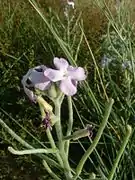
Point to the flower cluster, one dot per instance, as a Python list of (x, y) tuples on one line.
[(42, 77)]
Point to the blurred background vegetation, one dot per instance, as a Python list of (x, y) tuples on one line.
[(94, 30)]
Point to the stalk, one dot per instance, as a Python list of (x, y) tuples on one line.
[(96, 140), (70, 123), (67, 169), (49, 135), (121, 151), (31, 151)]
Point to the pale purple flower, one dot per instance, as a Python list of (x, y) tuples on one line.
[(28, 92), (105, 61), (126, 65), (66, 74), (35, 79)]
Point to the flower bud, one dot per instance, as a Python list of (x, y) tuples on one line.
[(80, 133), (52, 91), (53, 119), (47, 107), (92, 176)]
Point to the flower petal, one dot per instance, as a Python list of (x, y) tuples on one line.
[(43, 86), (39, 80), (77, 73), (54, 75), (68, 87), (25, 78), (60, 63), (40, 68), (30, 94), (35, 78)]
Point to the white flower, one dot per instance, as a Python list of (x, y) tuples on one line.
[(71, 3)]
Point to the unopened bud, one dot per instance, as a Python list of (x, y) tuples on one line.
[(47, 107), (52, 92)]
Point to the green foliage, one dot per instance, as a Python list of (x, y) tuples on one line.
[(26, 40)]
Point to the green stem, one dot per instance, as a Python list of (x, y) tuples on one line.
[(96, 140), (116, 162), (49, 135), (70, 123), (58, 126), (60, 140), (31, 151), (50, 171), (25, 144)]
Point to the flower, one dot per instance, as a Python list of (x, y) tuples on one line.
[(66, 74), (35, 79), (86, 132), (71, 3), (105, 61), (46, 121), (90, 128), (126, 65)]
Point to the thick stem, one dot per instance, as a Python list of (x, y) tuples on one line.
[(96, 140), (58, 125), (49, 135), (116, 162), (70, 123), (61, 142)]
